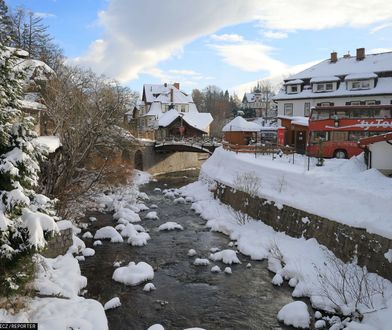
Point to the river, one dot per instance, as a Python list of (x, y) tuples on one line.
[(186, 295)]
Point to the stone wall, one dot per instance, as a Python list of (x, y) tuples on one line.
[(59, 244), (343, 240)]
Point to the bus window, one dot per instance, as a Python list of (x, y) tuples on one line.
[(338, 136), (385, 113), (356, 135), (340, 114), (319, 136), (320, 114), (359, 113)]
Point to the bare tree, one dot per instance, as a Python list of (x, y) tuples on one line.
[(86, 112), (248, 182)]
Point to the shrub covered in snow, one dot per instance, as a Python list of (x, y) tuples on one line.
[(25, 217), (295, 314), (134, 274), (170, 225)]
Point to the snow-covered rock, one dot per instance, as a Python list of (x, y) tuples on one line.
[(191, 253), (179, 200), (248, 265), (142, 207), (152, 215), (295, 314), (134, 274), (126, 214), (92, 219), (87, 234), (149, 287), (112, 303), (201, 262), (228, 270), (320, 324), (189, 199), (157, 189), (88, 252), (153, 206), (215, 269), (318, 315), (120, 226), (108, 232), (170, 225), (143, 195), (214, 249), (227, 256), (156, 327), (116, 264), (77, 245), (97, 243), (277, 280), (139, 239), (80, 258), (293, 282)]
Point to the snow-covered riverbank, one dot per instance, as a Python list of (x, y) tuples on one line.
[(341, 190)]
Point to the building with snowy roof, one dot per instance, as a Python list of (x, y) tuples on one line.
[(240, 131), (348, 80), (168, 111), (259, 104)]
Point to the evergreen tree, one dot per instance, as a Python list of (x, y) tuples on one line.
[(23, 214), (5, 24)]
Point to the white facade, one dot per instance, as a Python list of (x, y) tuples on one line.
[(350, 80), (381, 156)]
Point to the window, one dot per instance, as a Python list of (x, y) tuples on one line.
[(320, 87), (356, 135), (307, 109), (183, 108), (360, 84), (355, 103), (324, 87), (288, 109), (328, 86), (294, 89), (320, 114), (319, 137)]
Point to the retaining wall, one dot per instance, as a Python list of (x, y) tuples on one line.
[(345, 241), (59, 244)]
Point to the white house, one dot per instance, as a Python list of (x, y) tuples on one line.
[(348, 80), (163, 104)]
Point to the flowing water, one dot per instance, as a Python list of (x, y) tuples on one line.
[(186, 295)]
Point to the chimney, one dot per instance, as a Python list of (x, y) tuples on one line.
[(360, 54), (176, 85), (171, 95), (334, 57)]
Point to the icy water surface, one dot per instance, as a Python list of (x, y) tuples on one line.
[(186, 295)]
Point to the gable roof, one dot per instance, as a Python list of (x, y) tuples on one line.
[(198, 120), (239, 124), (162, 93), (346, 65)]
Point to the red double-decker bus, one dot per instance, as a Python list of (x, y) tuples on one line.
[(335, 130)]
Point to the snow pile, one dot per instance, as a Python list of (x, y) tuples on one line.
[(156, 327), (110, 233), (135, 238), (228, 270), (88, 252), (170, 226), (295, 314), (97, 242), (112, 303), (59, 276), (215, 269), (52, 143), (126, 214), (87, 234), (201, 262), (227, 256), (149, 287), (134, 274), (192, 253), (142, 207), (151, 215)]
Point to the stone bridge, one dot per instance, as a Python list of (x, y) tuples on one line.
[(199, 145)]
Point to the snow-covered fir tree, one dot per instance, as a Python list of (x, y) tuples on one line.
[(25, 217)]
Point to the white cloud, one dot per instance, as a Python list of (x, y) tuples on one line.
[(275, 79), (249, 56), (275, 35), (381, 27), (44, 15), (140, 34), (184, 72), (227, 37)]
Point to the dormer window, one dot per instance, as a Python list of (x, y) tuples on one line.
[(293, 86), (324, 84), (360, 84), (324, 87), (294, 89), (360, 81)]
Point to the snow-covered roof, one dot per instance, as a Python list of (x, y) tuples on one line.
[(155, 110), (301, 121), (359, 76), (162, 93), (52, 143), (199, 120), (324, 79), (239, 124), (384, 86), (168, 117), (294, 82), (192, 107), (347, 65)]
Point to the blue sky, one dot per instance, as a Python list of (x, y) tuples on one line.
[(228, 43)]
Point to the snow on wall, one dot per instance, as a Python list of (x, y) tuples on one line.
[(342, 190)]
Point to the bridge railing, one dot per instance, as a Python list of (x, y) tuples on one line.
[(207, 141), (264, 149)]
